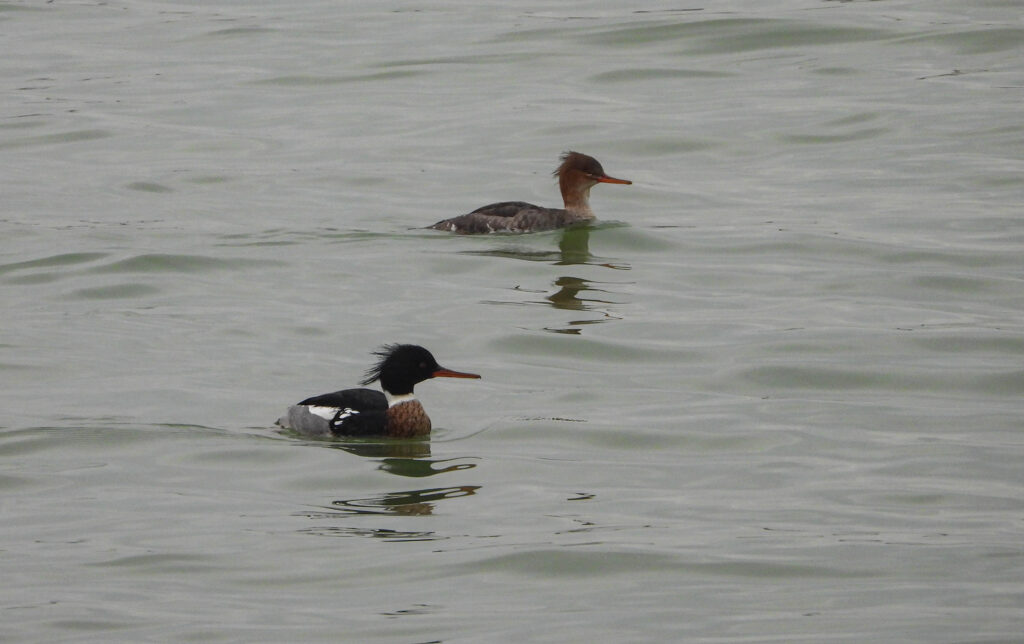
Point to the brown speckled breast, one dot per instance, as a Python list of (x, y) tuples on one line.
[(406, 420)]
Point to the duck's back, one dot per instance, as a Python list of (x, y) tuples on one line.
[(506, 216), (350, 412), (360, 399)]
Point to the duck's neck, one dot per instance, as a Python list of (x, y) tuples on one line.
[(397, 399), (577, 199)]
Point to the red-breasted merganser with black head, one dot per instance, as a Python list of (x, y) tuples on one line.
[(577, 174), (395, 413)]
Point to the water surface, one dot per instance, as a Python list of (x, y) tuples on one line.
[(774, 395)]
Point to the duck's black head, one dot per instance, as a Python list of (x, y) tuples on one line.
[(402, 366)]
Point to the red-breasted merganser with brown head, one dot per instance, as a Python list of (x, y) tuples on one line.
[(395, 413), (577, 174)]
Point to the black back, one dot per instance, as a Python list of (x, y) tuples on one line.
[(359, 412), (356, 399)]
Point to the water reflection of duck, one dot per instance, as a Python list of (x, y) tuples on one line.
[(408, 502), (395, 413), (577, 174)]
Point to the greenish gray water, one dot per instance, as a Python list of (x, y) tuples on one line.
[(776, 395)]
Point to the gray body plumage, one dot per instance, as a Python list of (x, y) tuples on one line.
[(299, 418)]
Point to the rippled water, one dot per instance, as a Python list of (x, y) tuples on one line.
[(776, 395)]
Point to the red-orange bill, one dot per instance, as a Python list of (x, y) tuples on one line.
[(607, 179), (448, 373)]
